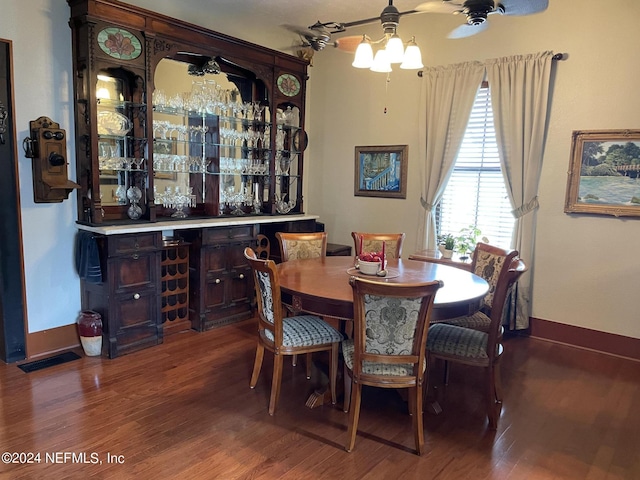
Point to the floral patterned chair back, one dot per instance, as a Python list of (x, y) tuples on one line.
[(391, 322), (372, 242), (299, 246), (489, 262)]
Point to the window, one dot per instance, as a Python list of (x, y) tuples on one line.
[(476, 194)]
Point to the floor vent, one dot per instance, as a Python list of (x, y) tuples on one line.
[(48, 362)]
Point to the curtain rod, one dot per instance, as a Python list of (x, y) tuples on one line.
[(557, 56)]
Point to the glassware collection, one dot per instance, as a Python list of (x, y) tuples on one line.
[(207, 131)]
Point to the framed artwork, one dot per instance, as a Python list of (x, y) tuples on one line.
[(604, 173), (381, 171)]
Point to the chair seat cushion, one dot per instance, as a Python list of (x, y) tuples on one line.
[(459, 341), (306, 330), (477, 321), (402, 369)]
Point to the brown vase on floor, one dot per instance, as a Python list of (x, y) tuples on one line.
[(90, 331)]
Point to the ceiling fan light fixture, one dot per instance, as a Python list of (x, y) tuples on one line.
[(412, 56), (381, 62), (364, 54), (395, 49)]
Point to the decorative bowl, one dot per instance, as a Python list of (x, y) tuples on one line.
[(369, 268), (113, 123)]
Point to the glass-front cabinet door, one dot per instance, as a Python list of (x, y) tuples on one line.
[(174, 121)]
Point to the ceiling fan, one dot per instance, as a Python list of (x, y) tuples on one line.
[(477, 11), (319, 35)]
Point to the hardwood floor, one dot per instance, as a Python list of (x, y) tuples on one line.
[(184, 410)]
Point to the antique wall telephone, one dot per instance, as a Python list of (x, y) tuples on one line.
[(48, 149)]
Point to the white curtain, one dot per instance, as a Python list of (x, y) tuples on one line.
[(519, 98), (448, 93)]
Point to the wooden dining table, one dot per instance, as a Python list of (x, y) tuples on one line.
[(321, 285)]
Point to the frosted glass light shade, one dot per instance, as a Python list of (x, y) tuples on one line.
[(381, 62), (364, 55), (412, 57), (395, 49)]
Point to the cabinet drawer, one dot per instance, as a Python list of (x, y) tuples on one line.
[(136, 310), (212, 236), (137, 271), (140, 242)]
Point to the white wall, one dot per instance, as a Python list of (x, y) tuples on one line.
[(42, 84), (579, 277)]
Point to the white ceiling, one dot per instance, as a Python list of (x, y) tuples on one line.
[(261, 21)]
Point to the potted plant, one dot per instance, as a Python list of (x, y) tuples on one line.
[(466, 241), (446, 245)]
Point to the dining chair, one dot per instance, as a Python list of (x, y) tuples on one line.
[(391, 322), (372, 242), (488, 262), (299, 246), (474, 346), (286, 335)]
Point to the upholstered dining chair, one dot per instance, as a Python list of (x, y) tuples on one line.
[(298, 246), (480, 347), (286, 335), (488, 262), (372, 242), (391, 322)]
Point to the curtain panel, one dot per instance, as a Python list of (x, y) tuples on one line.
[(447, 95), (519, 99)]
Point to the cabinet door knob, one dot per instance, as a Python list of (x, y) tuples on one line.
[(217, 280), (241, 276), (136, 296), (135, 256)]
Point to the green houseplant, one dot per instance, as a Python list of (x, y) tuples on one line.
[(467, 239), (446, 245)]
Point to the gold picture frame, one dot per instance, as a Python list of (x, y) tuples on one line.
[(604, 173), (381, 171)]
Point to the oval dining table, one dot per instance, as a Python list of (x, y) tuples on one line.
[(321, 286)]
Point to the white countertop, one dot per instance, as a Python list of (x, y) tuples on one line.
[(193, 223)]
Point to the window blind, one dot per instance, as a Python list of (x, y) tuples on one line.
[(476, 194)]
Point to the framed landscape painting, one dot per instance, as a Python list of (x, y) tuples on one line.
[(381, 171), (604, 173)]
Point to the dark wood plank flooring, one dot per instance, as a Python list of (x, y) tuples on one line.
[(184, 410)]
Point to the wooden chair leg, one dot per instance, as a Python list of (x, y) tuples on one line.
[(428, 398), (347, 389), (494, 396), (275, 383), (446, 372), (354, 416), (257, 365), (333, 371), (309, 364), (415, 402)]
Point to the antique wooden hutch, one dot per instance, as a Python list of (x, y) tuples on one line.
[(185, 133)]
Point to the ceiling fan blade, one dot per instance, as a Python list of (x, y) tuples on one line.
[(466, 30), (523, 7), (440, 6), (303, 31), (348, 44)]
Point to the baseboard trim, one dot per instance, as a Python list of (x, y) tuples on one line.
[(610, 343), (52, 341)]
